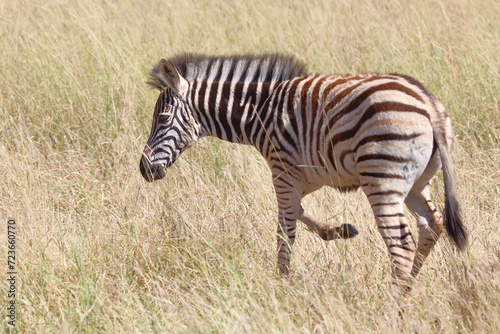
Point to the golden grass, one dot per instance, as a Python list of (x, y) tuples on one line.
[(100, 250)]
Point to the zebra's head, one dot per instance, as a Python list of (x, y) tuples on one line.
[(174, 128)]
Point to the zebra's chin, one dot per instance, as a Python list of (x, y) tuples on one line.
[(152, 172)]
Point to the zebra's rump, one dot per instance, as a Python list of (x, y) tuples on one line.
[(354, 126)]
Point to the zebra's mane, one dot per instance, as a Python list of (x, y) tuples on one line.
[(242, 68)]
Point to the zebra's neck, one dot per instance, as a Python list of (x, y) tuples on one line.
[(231, 111)]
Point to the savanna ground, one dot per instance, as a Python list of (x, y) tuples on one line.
[(100, 250)]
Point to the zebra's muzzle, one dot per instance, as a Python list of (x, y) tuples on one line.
[(151, 172)]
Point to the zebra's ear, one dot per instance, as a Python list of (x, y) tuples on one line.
[(172, 78)]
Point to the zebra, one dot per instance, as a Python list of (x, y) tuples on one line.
[(384, 133)]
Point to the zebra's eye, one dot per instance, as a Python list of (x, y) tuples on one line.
[(166, 114)]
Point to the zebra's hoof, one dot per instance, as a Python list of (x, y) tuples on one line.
[(348, 231)]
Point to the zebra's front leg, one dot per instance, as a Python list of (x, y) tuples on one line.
[(289, 209), (325, 232), (286, 238)]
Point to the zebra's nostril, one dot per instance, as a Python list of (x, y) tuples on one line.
[(145, 169), (149, 171), (159, 171)]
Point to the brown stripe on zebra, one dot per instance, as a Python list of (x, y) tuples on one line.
[(418, 84), (374, 109), (315, 103), (380, 156), (382, 122), (402, 247), (384, 204), (385, 193), (354, 104), (393, 227), (401, 256), (386, 137), (371, 111), (345, 92), (339, 82), (386, 122), (383, 175), (399, 214), (401, 237)]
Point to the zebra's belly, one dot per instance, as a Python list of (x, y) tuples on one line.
[(334, 181), (342, 176)]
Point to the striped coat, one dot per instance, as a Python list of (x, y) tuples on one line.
[(386, 134)]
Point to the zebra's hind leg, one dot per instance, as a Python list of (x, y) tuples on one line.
[(430, 225), (429, 221), (387, 206)]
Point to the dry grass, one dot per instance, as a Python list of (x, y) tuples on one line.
[(100, 250)]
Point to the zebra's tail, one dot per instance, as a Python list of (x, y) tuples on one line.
[(451, 216)]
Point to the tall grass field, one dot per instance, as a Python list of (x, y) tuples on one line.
[(99, 250)]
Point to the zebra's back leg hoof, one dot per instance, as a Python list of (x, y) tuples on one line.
[(348, 231), (344, 231)]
